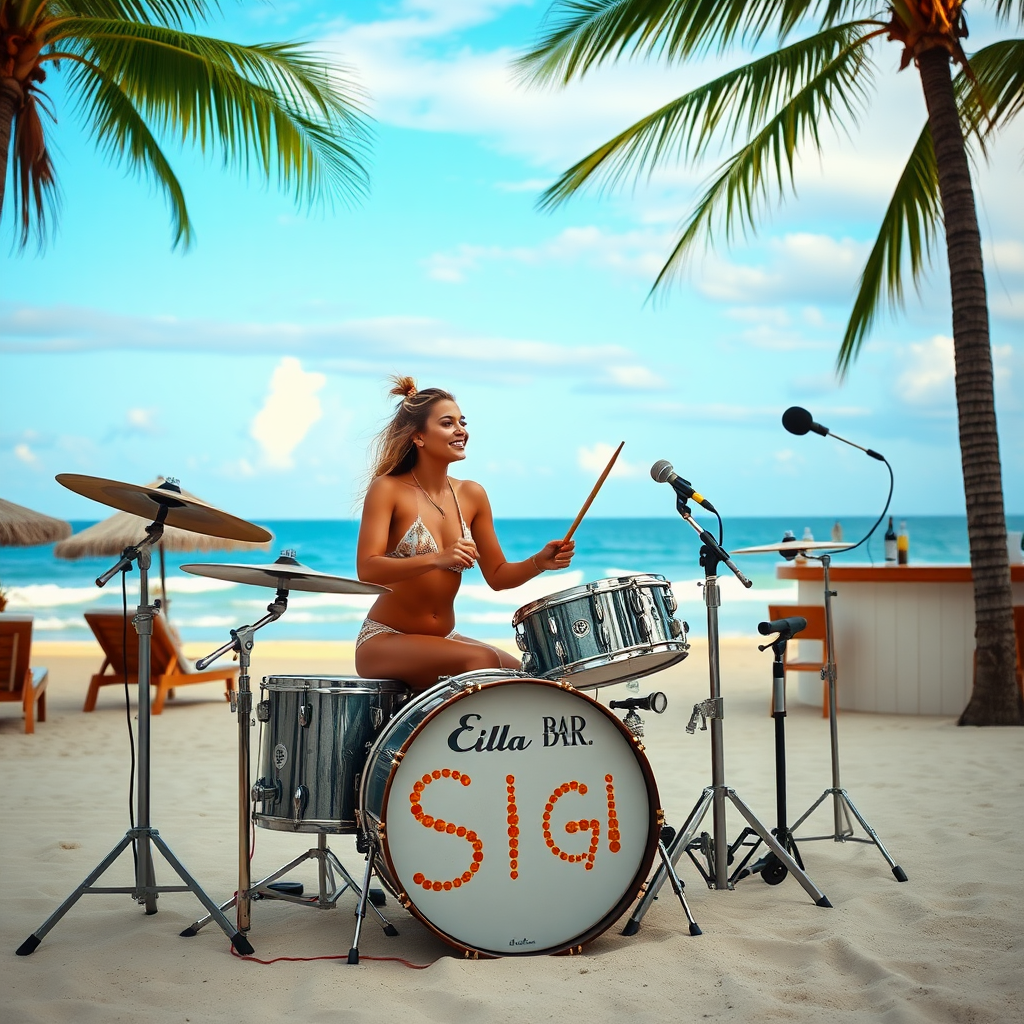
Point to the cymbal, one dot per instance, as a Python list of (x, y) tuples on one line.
[(795, 547), (287, 573), (183, 511)]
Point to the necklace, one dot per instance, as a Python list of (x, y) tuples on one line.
[(428, 497)]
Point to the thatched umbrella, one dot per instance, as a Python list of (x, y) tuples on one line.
[(20, 527), (121, 530)]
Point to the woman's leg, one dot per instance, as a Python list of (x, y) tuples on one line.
[(420, 660), (506, 660)]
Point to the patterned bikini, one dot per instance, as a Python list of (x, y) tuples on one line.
[(418, 540)]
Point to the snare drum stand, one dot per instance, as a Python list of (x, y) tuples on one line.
[(841, 802), (715, 848), (327, 862), (145, 890)]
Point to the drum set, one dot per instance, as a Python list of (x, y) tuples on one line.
[(509, 811)]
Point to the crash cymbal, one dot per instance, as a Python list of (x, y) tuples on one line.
[(183, 511), (287, 573), (794, 547)]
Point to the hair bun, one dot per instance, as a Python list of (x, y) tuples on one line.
[(403, 386)]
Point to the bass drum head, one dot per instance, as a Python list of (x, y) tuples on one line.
[(520, 818)]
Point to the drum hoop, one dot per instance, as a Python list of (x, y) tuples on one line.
[(603, 586), (626, 653), (656, 816), (349, 684)]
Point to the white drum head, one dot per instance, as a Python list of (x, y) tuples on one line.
[(521, 818)]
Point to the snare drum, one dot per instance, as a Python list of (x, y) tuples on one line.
[(513, 816), (602, 632), (316, 734)]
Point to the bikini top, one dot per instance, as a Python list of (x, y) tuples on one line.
[(418, 540)]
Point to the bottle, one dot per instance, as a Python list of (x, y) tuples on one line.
[(890, 545), (801, 557), (837, 532), (903, 544)]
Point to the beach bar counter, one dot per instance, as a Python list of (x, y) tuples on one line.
[(904, 635)]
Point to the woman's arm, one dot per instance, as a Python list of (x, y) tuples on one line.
[(372, 562), (499, 573)]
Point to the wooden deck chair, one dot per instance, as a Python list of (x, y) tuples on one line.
[(17, 680), (169, 668), (815, 616)]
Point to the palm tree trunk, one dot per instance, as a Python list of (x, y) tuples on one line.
[(995, 699), (10, 96)]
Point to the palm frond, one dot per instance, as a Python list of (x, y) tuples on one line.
[(738, 102), (1010, 10), (35, 185), (585, 33), (999, 95), (123, 134), (745, 183), (911, 222), (272, 105), (147, 12)]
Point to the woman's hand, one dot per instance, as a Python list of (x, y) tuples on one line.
[(555, 555), (462, 554)]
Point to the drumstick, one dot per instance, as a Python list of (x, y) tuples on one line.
[(593, 494)]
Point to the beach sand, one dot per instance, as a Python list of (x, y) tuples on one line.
[(947, 945)]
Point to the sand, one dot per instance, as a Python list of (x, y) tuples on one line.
[(944, 946)]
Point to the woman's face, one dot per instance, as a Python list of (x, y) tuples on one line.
[(444, 435)]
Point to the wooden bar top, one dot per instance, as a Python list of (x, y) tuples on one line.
[(811, 570)]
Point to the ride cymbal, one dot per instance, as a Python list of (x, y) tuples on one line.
[(287, 573)]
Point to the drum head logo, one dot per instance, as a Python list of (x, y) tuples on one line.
[(581, 627), (280, 756)]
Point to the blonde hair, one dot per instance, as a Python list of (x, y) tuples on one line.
[(393, 451)]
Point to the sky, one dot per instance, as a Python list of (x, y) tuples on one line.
[(254, 366)]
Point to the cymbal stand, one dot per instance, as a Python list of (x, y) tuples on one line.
[(842, 805), (242, 643), (327, 862), (145, 890), (714, 849)]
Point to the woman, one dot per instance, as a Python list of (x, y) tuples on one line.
[(420, 530)]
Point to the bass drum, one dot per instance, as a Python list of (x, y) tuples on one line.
[(514, 816)]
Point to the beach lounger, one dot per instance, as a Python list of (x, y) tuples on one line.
[(169, 668), (18, 681)]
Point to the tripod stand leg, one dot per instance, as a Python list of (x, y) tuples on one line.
[(677, 888), (29, 945), (238, 940), (898, 872), (820, 899), (350, 883), (674, 851)]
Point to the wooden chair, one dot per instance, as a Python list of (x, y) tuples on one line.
[(17, 680), (815, 616), (169, 668)]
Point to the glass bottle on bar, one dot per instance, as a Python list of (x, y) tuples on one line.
[(903, 544), (891, 552)]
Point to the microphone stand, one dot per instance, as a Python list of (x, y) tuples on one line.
[(714, 848)]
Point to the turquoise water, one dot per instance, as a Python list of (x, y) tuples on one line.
[(58, 592)]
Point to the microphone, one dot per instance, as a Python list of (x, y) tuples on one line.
[(799, 421), (786, 628), (663, 473)]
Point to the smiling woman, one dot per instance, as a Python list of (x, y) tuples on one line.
[(420, 530)]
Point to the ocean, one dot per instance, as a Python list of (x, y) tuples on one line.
[(58, 592)]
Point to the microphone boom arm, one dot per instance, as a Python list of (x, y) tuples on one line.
[(709, 541)]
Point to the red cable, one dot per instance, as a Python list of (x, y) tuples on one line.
[(340, 956)]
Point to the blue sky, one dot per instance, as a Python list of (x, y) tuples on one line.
[(253, 366)]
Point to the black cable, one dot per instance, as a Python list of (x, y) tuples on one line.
[(128, 708), (867, 536)]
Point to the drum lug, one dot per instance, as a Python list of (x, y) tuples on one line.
[(527, 662), (643, 624), (305, 715), (470, 954), (553, 627), (264, 789), (263, 711), (299, 800), (659, 818), (670, 601), (597, 607), (521, 640), (606, 636), (560, 651), (675, 627), (636, 600), (404, 902)]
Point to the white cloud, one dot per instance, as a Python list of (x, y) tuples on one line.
[(290, 410), (594, 459), (636, 378), (23, 453), (366, 347), (928, 379)]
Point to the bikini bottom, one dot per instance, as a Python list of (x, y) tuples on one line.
[(370, 628)]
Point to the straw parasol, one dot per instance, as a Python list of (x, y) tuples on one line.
[(121, 530), (20, 527)]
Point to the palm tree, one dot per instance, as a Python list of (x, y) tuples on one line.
[(774, 104), (135, 73)]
